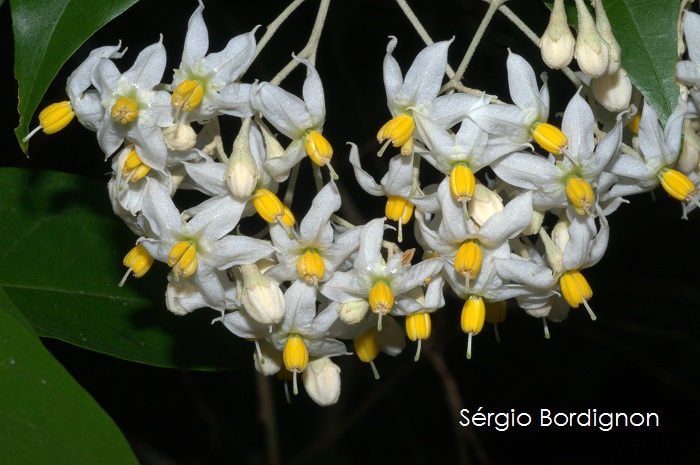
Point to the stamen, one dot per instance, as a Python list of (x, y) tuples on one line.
[(183, 259), (295, 356), (139, 262), (462, 183), (399, 130), (318, 148), (472, 319), (186, 97), (678, 185), (418, 327), (134, 168), (310, 267), (550, 138), (271, 208), (399, 209), (381, 300), (576, 290), (367, 348), (468, 260), (125, 110), (495, 313), (546, 328), (580, 195), (53, 118)]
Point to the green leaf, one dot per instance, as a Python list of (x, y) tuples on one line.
[(646, 32), (45, 416), (61, 263), (46, 34)]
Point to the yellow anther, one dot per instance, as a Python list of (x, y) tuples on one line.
[(381, 298), (399, 131), (677, 185), (271, 208), (550, 138), (138, 260), (575, 288), (418, 326), (310, 267), (496, 312), (125, 110), (318, 148), (295, 354), (468, 259), (634, 124), (580, 195), (56, 117), (187, 95), (473, 316), (367, 346), (183, 259), (462, 183), (134, 168), (399, 209)]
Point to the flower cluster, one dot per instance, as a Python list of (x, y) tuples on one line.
[(300, 289)]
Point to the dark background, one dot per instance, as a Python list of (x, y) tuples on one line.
[(639, 356)]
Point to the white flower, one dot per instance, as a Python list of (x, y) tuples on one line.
[(215, 74), (132, 109)]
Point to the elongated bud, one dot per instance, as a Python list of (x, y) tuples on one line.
[(677, 185), (613, 91), (602, 24), (484, 204), (353, 312), (591, 52), (550, 138), (242, 173), (183, 259), (580, 195), (262, 299), (322, 381), (399, 131), (124, 110), (462, 183), (557, 43)]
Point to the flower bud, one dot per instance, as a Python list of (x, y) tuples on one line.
[(688, 161), (484, 204), (242, 173), (322, 381), (353, 312), (613, 91), (603, 26), (272, 359), (273, 149), (557, 42), (535, 224), (180, 137), (591, 51), (262, 299), (560, 233)]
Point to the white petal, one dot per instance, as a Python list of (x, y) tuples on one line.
[(196, 39)]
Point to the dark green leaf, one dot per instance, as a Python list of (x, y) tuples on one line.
[(45, 416), (46, 34), (60, 265), (646, 31)]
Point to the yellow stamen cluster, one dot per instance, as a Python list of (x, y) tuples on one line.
[(677, 185), (575, 288), (418, 326), (125, 110), (399, 131), (462, 183), (271, 208), (468, 259), (134, 168), (472, 320), (310, 267), (367, 346), (56, 117), (187, 95), (381, 298), (318, 148), (295, 354), (580, 195), (399, 209), (138, 260), (550, 138), (183, 259), (495, 313), (634, 124)]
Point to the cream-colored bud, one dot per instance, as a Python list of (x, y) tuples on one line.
[(353, 312), (560, 233), (178, 295), (484, 204), (242, 173), (273, 149), (535, 224), (557, 43), (688, 161), (180, 137), (272, 359), (322, 381), (262, 299), (555, 256), (603, 26), (591, 51), (613, 91)]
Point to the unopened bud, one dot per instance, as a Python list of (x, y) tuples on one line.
[(484, 204), (242, 173), (273, 149), (180, 137), (353, 312), (603, 26), (557, 43), (591, 52), (688, 161), (535, 224), (613, 91), (322, 381), (262, 299)]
